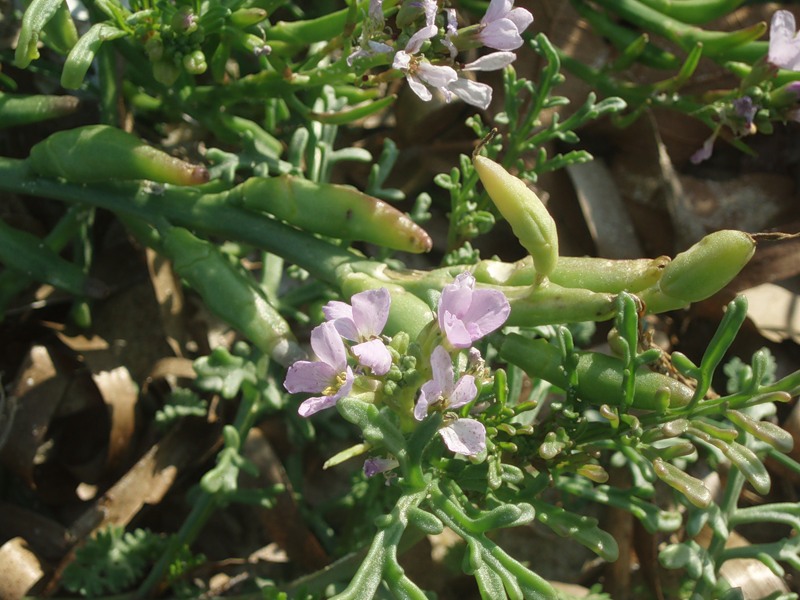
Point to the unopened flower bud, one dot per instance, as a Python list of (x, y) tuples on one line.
[(245, 17), (528, 217), (195, 63), (184, 20)]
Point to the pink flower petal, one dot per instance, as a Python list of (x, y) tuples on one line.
[(436, 76), (497, 10), (501, 35), (520, 17), (309, 377), (442, 367), (373, 466), (314, 405), (456, 331), (784, 46), (419, 88), (488, 311), (342, 316), (472, 92), (416, 41), (375, 355), (465, 436), (491, 62), (465, 392), (429, 394), (328, 346), (371, 311)]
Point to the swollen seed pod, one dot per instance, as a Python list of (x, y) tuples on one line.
[(599, 375), (700, 271), (334, 210), (528, 217), (103, 153), (230, 294)]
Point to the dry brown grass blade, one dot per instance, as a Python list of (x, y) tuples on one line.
[(21, 569), (147, 482), (38, 388)]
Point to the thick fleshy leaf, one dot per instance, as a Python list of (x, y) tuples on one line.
[(328, 346), (371, 311), (465, 391), (464, 436), (309, 377), (375, 355)]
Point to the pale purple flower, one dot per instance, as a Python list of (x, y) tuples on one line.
[(363, 321), (784, 43), (704, 152), (330, 376), (746, 109), (462, 436), (450, 31), (467, 314), (422, 75), (372, 26), (373, 466), (502, 25), (473, 92)]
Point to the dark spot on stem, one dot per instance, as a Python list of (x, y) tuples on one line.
[(349, 214)]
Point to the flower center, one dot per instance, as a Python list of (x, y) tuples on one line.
[(336, 385)]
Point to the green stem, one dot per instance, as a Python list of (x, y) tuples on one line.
[(191, 208)]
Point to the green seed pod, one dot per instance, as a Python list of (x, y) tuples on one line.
[(528, 217), (595, 274), (229, 294), (605, 275), (599, 375), (551, 303), (334, 210), (102, 153), (700, 271)]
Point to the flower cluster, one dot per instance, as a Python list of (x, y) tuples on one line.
[(465, 315), (500, 29)]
